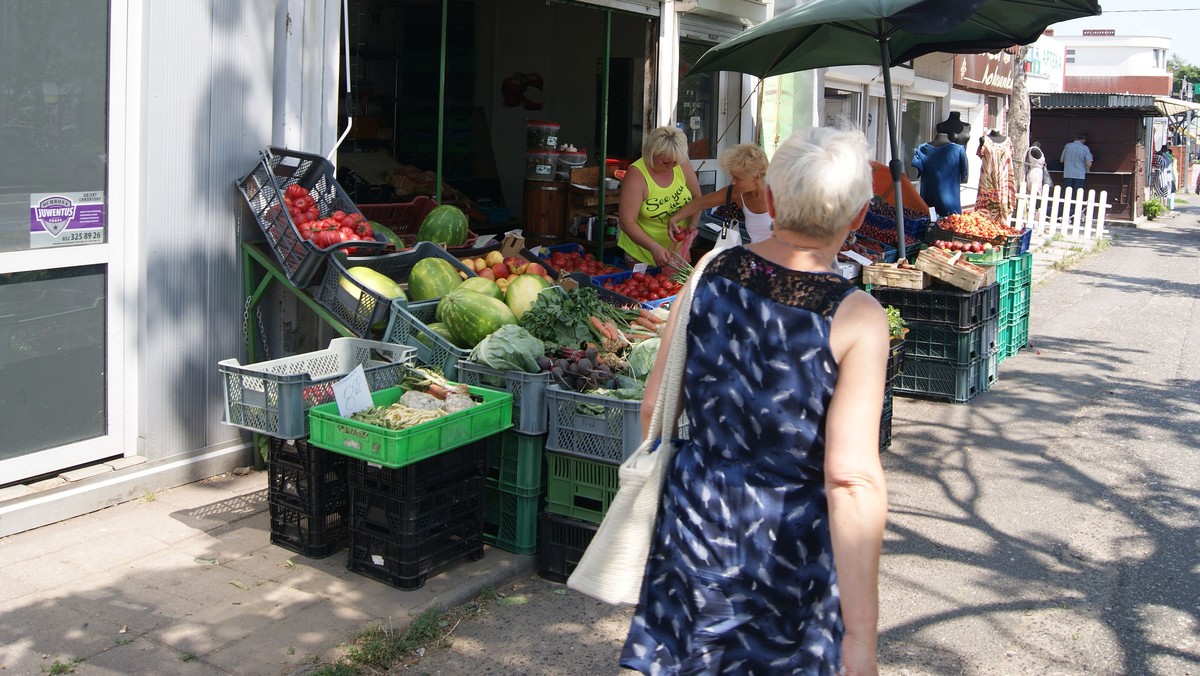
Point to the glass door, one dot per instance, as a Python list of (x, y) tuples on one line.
[(55, 237)]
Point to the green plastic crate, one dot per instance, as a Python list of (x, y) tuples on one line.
[(1022, 270), (515, 461), (580, 488), (954, 346), (397, 448), (510, 521), (1003, 272), (1019, 304), (936, 379), (1002, 340), (1018, 334)]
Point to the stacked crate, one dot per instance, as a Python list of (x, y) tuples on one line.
[(410, 522), (515, 489), (951, 345), (1015, 296), (894, 364), (307, 497), (589, 437)]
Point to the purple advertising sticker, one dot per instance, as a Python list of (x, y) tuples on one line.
[(59, 219)]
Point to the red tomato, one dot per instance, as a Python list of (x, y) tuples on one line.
[(339, 216)]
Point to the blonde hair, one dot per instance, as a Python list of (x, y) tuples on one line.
[(819, 180), (667, 141), (744, 158)]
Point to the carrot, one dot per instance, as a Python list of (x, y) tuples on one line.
[(650, 316), (438, 391), (598, 325)]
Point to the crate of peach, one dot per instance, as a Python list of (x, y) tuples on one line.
[(954, 269), (975, 227)]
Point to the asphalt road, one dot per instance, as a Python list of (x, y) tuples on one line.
[(1049, 526)]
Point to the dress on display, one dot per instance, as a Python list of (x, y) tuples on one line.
[(740, 577), (943, 168), (997, 194)]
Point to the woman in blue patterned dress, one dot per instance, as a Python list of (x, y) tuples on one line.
[(766, 553)]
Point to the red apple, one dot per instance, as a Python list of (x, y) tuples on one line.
[(535, 269), (500, 270), (487, 273), (516, 265), (510, 90)]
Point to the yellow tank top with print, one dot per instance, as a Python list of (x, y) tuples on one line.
[(658, 206)]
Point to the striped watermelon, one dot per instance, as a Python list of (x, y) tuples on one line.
[(446, 225)]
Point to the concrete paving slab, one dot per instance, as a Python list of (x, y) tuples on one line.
[(127, 461), (56, 627), (140, 606), (288, 643), (85, 472), (14, 492), (143, 657)]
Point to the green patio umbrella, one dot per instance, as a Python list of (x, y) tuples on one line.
[(823, 33)]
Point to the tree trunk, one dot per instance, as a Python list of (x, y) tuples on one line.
[(1018, 116)]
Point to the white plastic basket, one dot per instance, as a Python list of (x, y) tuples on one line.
[(273, 397)]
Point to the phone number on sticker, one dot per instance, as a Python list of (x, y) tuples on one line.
[(81, 237)]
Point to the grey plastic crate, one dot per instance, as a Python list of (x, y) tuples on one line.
[(528, 391), (595, 426), (409, 325), (273, 397)]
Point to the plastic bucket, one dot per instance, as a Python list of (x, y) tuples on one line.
[(571, 160), (539, 165), (541, 135)]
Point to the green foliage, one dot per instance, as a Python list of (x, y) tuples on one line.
[(896, 323), (379, 646), (1153, 208), (1181, 69), (58, 667)]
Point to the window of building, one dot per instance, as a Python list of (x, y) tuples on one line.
[(697, 111), (842, 105), (916, 127)]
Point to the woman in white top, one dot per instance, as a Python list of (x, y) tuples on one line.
[(746, 165)]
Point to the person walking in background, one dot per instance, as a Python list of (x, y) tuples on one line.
[(746, 165), (1162, 176), (1076, 159), (765, 557), (657, 185)]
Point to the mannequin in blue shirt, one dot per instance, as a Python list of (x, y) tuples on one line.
[(942, 167)]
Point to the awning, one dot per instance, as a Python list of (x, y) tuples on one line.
[(1169, 107)]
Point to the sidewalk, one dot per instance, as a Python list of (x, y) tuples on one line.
[(186, 581)]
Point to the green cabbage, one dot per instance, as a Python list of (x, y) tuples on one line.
[(641, 357), (509, 348)]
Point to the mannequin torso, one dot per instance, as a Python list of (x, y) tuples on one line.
[(955, 129), (940, 140)]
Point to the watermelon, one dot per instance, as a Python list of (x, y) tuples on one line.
[(446, 224), (374, 281), (440, 329), (472, 316), (390, 235), (522, 291), (483, 285), (432, 278)]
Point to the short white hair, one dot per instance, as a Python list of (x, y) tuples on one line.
[(819, 180)]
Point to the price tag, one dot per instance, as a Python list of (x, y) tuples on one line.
[(856, 257), (352, 393), (640, 267)]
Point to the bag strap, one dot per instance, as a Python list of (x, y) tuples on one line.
[(729, 194), (667, 404)]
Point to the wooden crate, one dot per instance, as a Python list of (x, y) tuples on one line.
[(942, 265), (888, 274)]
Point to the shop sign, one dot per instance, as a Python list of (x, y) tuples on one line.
[(65, 219), (992, 73)]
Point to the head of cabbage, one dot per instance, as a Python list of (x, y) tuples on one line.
[(641, 357)]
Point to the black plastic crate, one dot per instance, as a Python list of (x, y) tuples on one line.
[(406, 565), (263, 189), (935, 379), (885, 431), (307, 496), (304, 474), (414, 481), (563, 541), (410, 521), (960, 347), (359, 307), (943, 305)]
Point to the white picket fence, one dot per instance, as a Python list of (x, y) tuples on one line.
[(1054, 210)]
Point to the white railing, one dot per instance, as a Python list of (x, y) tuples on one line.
[(1057, 210)]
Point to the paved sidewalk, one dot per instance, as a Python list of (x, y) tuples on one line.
[(186, 582)]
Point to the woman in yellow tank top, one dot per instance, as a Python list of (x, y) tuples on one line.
[(656, 186)]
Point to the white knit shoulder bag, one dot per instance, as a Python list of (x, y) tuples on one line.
[(612, 567)]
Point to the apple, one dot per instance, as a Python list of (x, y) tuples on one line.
[(500, 270), (516, 265), (533, 80), (511, 89), (987, 247), (487, 273), (493, 257), (535, 269), (533, 98), (503, 283)]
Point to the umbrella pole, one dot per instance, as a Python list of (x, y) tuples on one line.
[(895, 165)]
